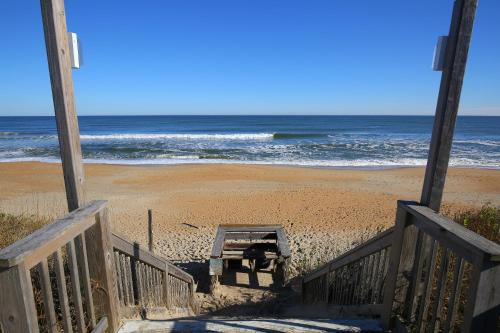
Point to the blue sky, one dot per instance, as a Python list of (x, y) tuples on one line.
[(248, 57)]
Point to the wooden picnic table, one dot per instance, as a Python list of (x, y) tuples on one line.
[(260, 244)]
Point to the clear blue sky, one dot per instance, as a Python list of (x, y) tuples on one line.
[(248, 57)]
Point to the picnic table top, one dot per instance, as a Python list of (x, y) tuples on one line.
[(245, 231)]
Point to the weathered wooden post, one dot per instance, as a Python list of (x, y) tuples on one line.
[(412, 247), (58, 56), (457, 48)]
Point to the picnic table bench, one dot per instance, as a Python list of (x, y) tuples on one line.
[(263, 245)]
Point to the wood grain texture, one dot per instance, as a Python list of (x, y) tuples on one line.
[(62, 291), (48, 301), (457, 49), (18, 312), (101, 268), (51, 237), (58, 57)]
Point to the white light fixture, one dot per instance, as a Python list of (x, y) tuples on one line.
[(75, 50), (439, 53)]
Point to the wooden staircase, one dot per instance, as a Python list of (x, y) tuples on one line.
[(75, 275), (426, 273)]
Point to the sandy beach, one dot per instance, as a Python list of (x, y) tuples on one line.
[(324, 211)]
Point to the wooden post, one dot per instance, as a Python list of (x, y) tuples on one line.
[(482, 310), (448, 101), (102, 269), (18, 312), (393, 272), (150, 230), (58, 56)]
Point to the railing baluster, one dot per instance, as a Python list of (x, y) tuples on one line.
[(416, 273), (62, 291), (123, 268), (438, 301), (75, 283), (458, 273), (119, 278), (84, 269), (48, 301), (424, 301), (129, 286)]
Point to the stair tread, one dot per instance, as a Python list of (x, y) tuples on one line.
[(252, 325)]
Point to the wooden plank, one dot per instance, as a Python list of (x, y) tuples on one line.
[(43, 242), (119, 279), (123, 269), (425, 301), (283, 243), (130, 281), (483, 303), (137, 252), (101, 268), (414, 281), (466, 243), (250, 236), (455, 294), (179, 273), (450, 89), (58, 56), (17, 301), (48, 301), (218, 243), (397, 245), (166, 287), (75, 284), (62, 291), (373, 245), (140, 293), (101, 326), (83, 264), (438, 301)]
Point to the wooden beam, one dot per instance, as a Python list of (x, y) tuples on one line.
[(448, 101), (58, 56)]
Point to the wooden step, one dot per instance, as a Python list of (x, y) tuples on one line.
[(251, 325)]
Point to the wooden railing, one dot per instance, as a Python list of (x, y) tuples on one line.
[(75, 275), (352, 284), (440, 276), (41, 256), (147, 282)]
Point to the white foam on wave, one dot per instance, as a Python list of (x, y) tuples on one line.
[(344, 164), (180, 136), (479, 142)]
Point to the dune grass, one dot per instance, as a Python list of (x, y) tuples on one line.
[(15, 227)]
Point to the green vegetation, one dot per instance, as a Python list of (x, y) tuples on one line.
[(485, 221)]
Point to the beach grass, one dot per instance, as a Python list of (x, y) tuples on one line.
[(15, 227)]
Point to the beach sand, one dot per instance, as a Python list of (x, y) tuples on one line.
[(324, 211)]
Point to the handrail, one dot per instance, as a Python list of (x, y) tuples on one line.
[(470, 244), (67, 242), (148, 281), (415, 273), (431, 253), (50, 237), (375, 244), (135, 250)]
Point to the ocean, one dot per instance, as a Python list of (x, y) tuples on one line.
[(319, 141)]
